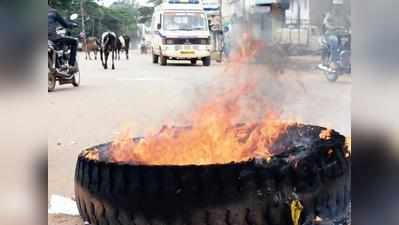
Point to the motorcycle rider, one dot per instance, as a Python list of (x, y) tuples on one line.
[(333, 21), (53, 20)]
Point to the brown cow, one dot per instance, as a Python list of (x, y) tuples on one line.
[(91, 45)]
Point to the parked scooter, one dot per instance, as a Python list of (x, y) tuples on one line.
[(58, 56), (342, 64)]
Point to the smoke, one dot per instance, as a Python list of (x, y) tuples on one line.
[(254, 62), (281, 84)]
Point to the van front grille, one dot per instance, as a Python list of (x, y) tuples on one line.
[(187, 41)]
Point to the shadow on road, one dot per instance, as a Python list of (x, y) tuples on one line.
[(67, 88), (182, 63)]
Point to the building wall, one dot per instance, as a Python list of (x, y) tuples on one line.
[(229, 8), (298, 8), (320, 7), (311, 11)]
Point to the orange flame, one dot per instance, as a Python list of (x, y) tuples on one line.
[(214, 137), (247, 49), (348, 144), (209, 142), (92, 154), (326, 134)]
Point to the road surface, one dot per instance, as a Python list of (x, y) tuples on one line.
[(144, 96)]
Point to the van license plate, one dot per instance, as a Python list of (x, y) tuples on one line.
[(187, 52)]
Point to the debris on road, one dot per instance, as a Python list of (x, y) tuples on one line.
[(62, 205)]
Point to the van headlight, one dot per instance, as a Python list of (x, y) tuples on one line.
[(167, 41)]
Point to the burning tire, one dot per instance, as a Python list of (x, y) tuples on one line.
[(309, 172)]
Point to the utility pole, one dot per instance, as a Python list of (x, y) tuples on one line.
[(82, 13), (222, 30), (244, 11)]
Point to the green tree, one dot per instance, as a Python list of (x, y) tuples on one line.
[(61, 5), (145, 14), (121, 17), (126, 14), (155, 2)]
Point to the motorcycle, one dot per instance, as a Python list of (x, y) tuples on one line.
[(342, 64), (58, 57)]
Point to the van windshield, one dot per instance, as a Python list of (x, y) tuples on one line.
[(184, 21)]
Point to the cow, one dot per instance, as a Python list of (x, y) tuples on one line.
[(123, 43), (108, 45), (91, 45)]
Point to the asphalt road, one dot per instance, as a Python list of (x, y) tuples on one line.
[(144, 96)]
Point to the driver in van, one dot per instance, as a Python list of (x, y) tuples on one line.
[(171, 24), (54, 19)]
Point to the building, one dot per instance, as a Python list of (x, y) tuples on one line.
[(212, 9), (304, 19), (262, 15), (294, 22), (311, 12)]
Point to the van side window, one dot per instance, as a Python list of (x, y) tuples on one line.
[(153, 24)]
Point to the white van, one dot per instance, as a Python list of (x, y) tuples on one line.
[(180, 31)]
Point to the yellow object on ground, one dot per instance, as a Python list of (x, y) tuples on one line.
[(296, 210)]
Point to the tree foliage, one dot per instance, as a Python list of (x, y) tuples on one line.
[(120, 17), (60, 5), (155, 2), (145, 14)]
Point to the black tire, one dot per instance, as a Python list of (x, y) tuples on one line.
[(252, 192), (51, 81), (164, 60), (76, 77), (154, 58), (51, 75), (193, 61), (206, 61)]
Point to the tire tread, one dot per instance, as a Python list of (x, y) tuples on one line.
[(112, 194)]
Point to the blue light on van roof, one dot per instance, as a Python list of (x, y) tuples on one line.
[(183, 1)]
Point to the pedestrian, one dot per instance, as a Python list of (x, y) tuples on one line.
[(227, 41), (334, 21), (54, 19)]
